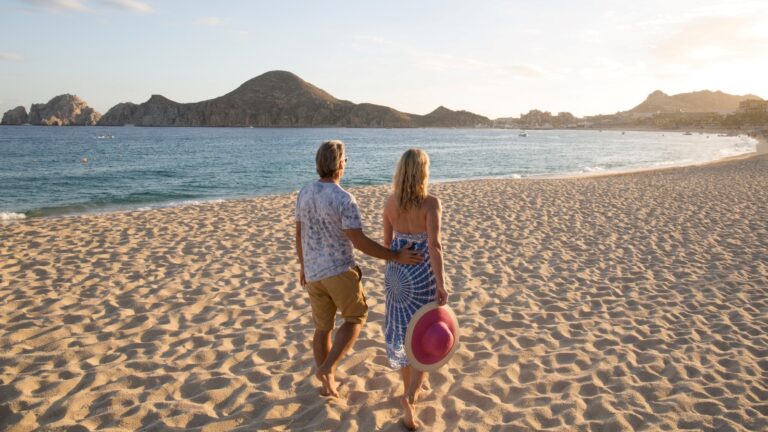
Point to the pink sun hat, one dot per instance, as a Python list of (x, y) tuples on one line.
[(432, 337)]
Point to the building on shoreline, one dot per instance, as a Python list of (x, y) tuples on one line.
[(753, 106)]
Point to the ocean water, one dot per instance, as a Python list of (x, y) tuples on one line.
[(48, 171)]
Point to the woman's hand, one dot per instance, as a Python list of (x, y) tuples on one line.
[(302, 278), (442, 296)]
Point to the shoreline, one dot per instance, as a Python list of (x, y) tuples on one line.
[(761, 147)]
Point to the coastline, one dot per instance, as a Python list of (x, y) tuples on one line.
[(609, 302), (13, 217), (761, 148)]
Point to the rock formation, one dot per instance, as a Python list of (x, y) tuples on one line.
[(273, 99), (63, 110), (16, 116)]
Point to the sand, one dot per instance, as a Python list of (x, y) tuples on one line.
[(611, 303)]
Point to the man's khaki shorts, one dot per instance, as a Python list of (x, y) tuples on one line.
[(343, 292)]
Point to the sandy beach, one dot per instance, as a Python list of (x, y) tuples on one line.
[(623, 302)]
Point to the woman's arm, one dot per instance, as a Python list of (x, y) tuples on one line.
[(388, 230), (434, 215)]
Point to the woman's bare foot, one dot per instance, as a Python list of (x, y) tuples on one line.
[(421, 393), (409, 417)]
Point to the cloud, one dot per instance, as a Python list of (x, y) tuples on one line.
[(606, 69), (71, 5), (10, 56), (709, 40), (130, 5), (439, 62), (652, 24), (210, 21), (81, 5), (443, 63), (373, 40), (528, 71), (590, 36)]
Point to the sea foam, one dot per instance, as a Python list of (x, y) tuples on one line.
[(10, 216)]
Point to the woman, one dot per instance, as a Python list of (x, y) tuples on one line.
[(411, 219)]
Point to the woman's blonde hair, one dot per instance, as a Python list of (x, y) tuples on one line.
[(411, 178)]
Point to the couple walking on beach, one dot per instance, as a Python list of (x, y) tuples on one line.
[(328, 227)]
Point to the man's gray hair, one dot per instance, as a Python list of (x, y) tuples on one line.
[(328, 158)]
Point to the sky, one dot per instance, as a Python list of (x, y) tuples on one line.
[(494, 58)]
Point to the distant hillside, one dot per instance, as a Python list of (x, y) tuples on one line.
[(277, 99), (695, 102), (443, 117)]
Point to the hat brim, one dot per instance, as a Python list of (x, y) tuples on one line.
[(412, 359)]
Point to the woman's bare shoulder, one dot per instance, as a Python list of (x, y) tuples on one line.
[(432, 201), (389, 204)]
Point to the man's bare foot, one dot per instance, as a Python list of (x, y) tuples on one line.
[(324, 392), (409, 417), (329, 384)]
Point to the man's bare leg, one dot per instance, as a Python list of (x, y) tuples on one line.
[(321, 346), (342, 342)]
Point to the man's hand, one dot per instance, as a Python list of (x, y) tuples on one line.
[(302, 278), (407, 255), (370, 247)]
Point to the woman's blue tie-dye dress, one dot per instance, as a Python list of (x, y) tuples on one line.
[(408, 287)]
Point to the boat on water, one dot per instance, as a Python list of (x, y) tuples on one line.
[(688, 133), (105, 136), (523, 134)]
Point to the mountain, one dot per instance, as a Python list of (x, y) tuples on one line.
[(63, 110), (694, 102), (443, 117), (276, 99)]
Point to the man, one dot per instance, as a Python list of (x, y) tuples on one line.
[(328, 226)]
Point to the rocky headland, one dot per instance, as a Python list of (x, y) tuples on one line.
[(15, 117), (62, 110)]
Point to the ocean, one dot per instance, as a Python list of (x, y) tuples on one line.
[(50, 171)]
